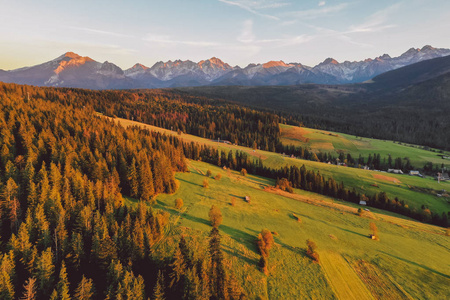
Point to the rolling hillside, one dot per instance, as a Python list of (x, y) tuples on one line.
[(334, 142), (392, 268), (414, 191)]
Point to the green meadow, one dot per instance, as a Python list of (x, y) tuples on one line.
[(415, 191), (410, 261), (333, 142)]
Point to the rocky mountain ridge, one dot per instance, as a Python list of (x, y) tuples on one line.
[(73, 70)]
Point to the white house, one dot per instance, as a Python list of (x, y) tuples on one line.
[(395, 171)]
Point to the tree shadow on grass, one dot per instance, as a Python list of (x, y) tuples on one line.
[(241, 237), (300, 251), (354, 232), (196, 219), (416, 264), (236, 196), (190, 182), (236, 254)]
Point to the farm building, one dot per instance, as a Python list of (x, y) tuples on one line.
[(415, 173), (247, 199), (443, 176), (362, 202), (395, 171)]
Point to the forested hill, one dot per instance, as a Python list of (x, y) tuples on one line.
[(410, 104), (213, 119), (64, 229)]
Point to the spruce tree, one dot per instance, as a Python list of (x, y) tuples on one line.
[(29, 287), (63, 284), (85, 289), (133, 179), (158, 290)]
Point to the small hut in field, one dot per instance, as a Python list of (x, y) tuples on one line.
[(247, 199)]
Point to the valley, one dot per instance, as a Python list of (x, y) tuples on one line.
[(137, 174), (404, 187), (225, 150)]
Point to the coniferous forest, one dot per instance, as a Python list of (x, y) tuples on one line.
[(65, 231), (65, 171)]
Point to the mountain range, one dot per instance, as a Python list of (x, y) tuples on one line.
[(411, 103), (73, 70)]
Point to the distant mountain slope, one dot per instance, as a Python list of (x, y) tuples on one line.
[(410, 104), (72, 70), (414, 73)]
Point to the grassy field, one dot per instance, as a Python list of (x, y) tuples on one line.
[(326, 141), (411, 259), (415, 191)]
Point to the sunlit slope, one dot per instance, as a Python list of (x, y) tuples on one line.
[(414, 191), (333, 142), (409, 261)]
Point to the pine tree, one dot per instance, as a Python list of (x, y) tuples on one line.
[(44, 272), (158, 290), (133, 179), (63, 284), (218, 275), (29, 287), (146, 188), (7, 273), (192, 285), (85, 289), (178, 267)]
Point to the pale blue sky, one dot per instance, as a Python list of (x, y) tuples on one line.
[(237, 31)]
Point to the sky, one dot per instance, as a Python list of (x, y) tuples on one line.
[(237, 31)]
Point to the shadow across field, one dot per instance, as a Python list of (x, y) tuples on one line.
[(232, 251), (189, 182), (354, 232), (416, 264)]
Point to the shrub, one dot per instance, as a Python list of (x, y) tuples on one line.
[(265, 242), (206, 183), (284, 185), (297, 218), (360, 212), (218, 176), (244, 172), (374, 230), (208, 173), (311, 250), (178, 203), (215, 216), (233, 201)]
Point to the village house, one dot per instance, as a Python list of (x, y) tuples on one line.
[(415, 173), (395, 171)]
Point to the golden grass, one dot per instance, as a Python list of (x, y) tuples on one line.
[(344, 281), (381, 286), (297, 133), (323, 146), (386, 178)]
